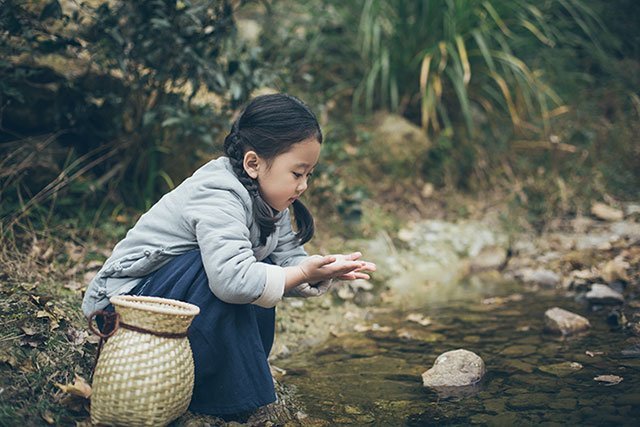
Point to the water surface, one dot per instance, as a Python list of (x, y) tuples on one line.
[(533, 378)]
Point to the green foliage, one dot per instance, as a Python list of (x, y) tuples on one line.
[(450, 61), (315, 46), (99, 103)]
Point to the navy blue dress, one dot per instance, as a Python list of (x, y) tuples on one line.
[(230, 342)]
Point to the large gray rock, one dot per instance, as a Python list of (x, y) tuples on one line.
[(603, 294), (454, 369), (558, 320)]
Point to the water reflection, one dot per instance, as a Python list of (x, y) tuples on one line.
[(373, 377)]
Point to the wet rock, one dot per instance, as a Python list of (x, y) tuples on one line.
[(558, 320), (609, 379), (606, 212), (603, 294), (454, 369), (539, 276), (561, 369), (635, 328), (489, 258)]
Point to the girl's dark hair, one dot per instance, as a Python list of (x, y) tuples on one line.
[(270, 125)]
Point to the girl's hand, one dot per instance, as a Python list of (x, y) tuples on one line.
[(356, 274), (344, 267), (313, 277)]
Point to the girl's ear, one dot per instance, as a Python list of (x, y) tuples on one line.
[(251, 164)]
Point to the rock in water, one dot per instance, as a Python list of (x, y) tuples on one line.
[(564, 322), (453, 369), (603, 294)]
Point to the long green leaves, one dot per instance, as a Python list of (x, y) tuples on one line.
[(450, 58)]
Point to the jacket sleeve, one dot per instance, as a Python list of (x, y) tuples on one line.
[(218, 218), (288, 251)]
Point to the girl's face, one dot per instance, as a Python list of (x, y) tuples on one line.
[(284, 179)]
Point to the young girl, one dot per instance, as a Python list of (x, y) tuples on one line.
[(223, 240)]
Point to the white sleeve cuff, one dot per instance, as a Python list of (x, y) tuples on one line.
[(273, 288)]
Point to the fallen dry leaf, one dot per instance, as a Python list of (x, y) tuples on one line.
[(609, 379), (8, 358), (48, 417), (94, 265), (53, 322), (74, 286), (593, 353), (80, 387), (28, 330)]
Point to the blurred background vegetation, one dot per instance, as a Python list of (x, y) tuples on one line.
[(106, 105)]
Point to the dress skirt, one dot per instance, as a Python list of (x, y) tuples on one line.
[(230, 342)]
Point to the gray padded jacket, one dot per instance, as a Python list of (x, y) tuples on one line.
[(212, 211)]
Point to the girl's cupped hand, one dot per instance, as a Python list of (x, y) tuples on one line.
[(318, 268)]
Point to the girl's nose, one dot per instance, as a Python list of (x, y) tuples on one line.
[(302, 186)]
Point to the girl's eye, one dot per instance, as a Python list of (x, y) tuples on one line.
[(297, 175)]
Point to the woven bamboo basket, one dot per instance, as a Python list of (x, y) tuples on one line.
[(143, 379)]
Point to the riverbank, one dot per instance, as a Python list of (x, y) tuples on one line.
[(47, 351)]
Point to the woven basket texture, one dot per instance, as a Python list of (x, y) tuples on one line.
[(143, 379)]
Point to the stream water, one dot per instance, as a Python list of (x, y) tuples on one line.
[(533, 378)]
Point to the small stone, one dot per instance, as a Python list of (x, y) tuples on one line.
[(561, 369), (561, 321), (603, 294), (455, 368), (606, 212), (609, 379)]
